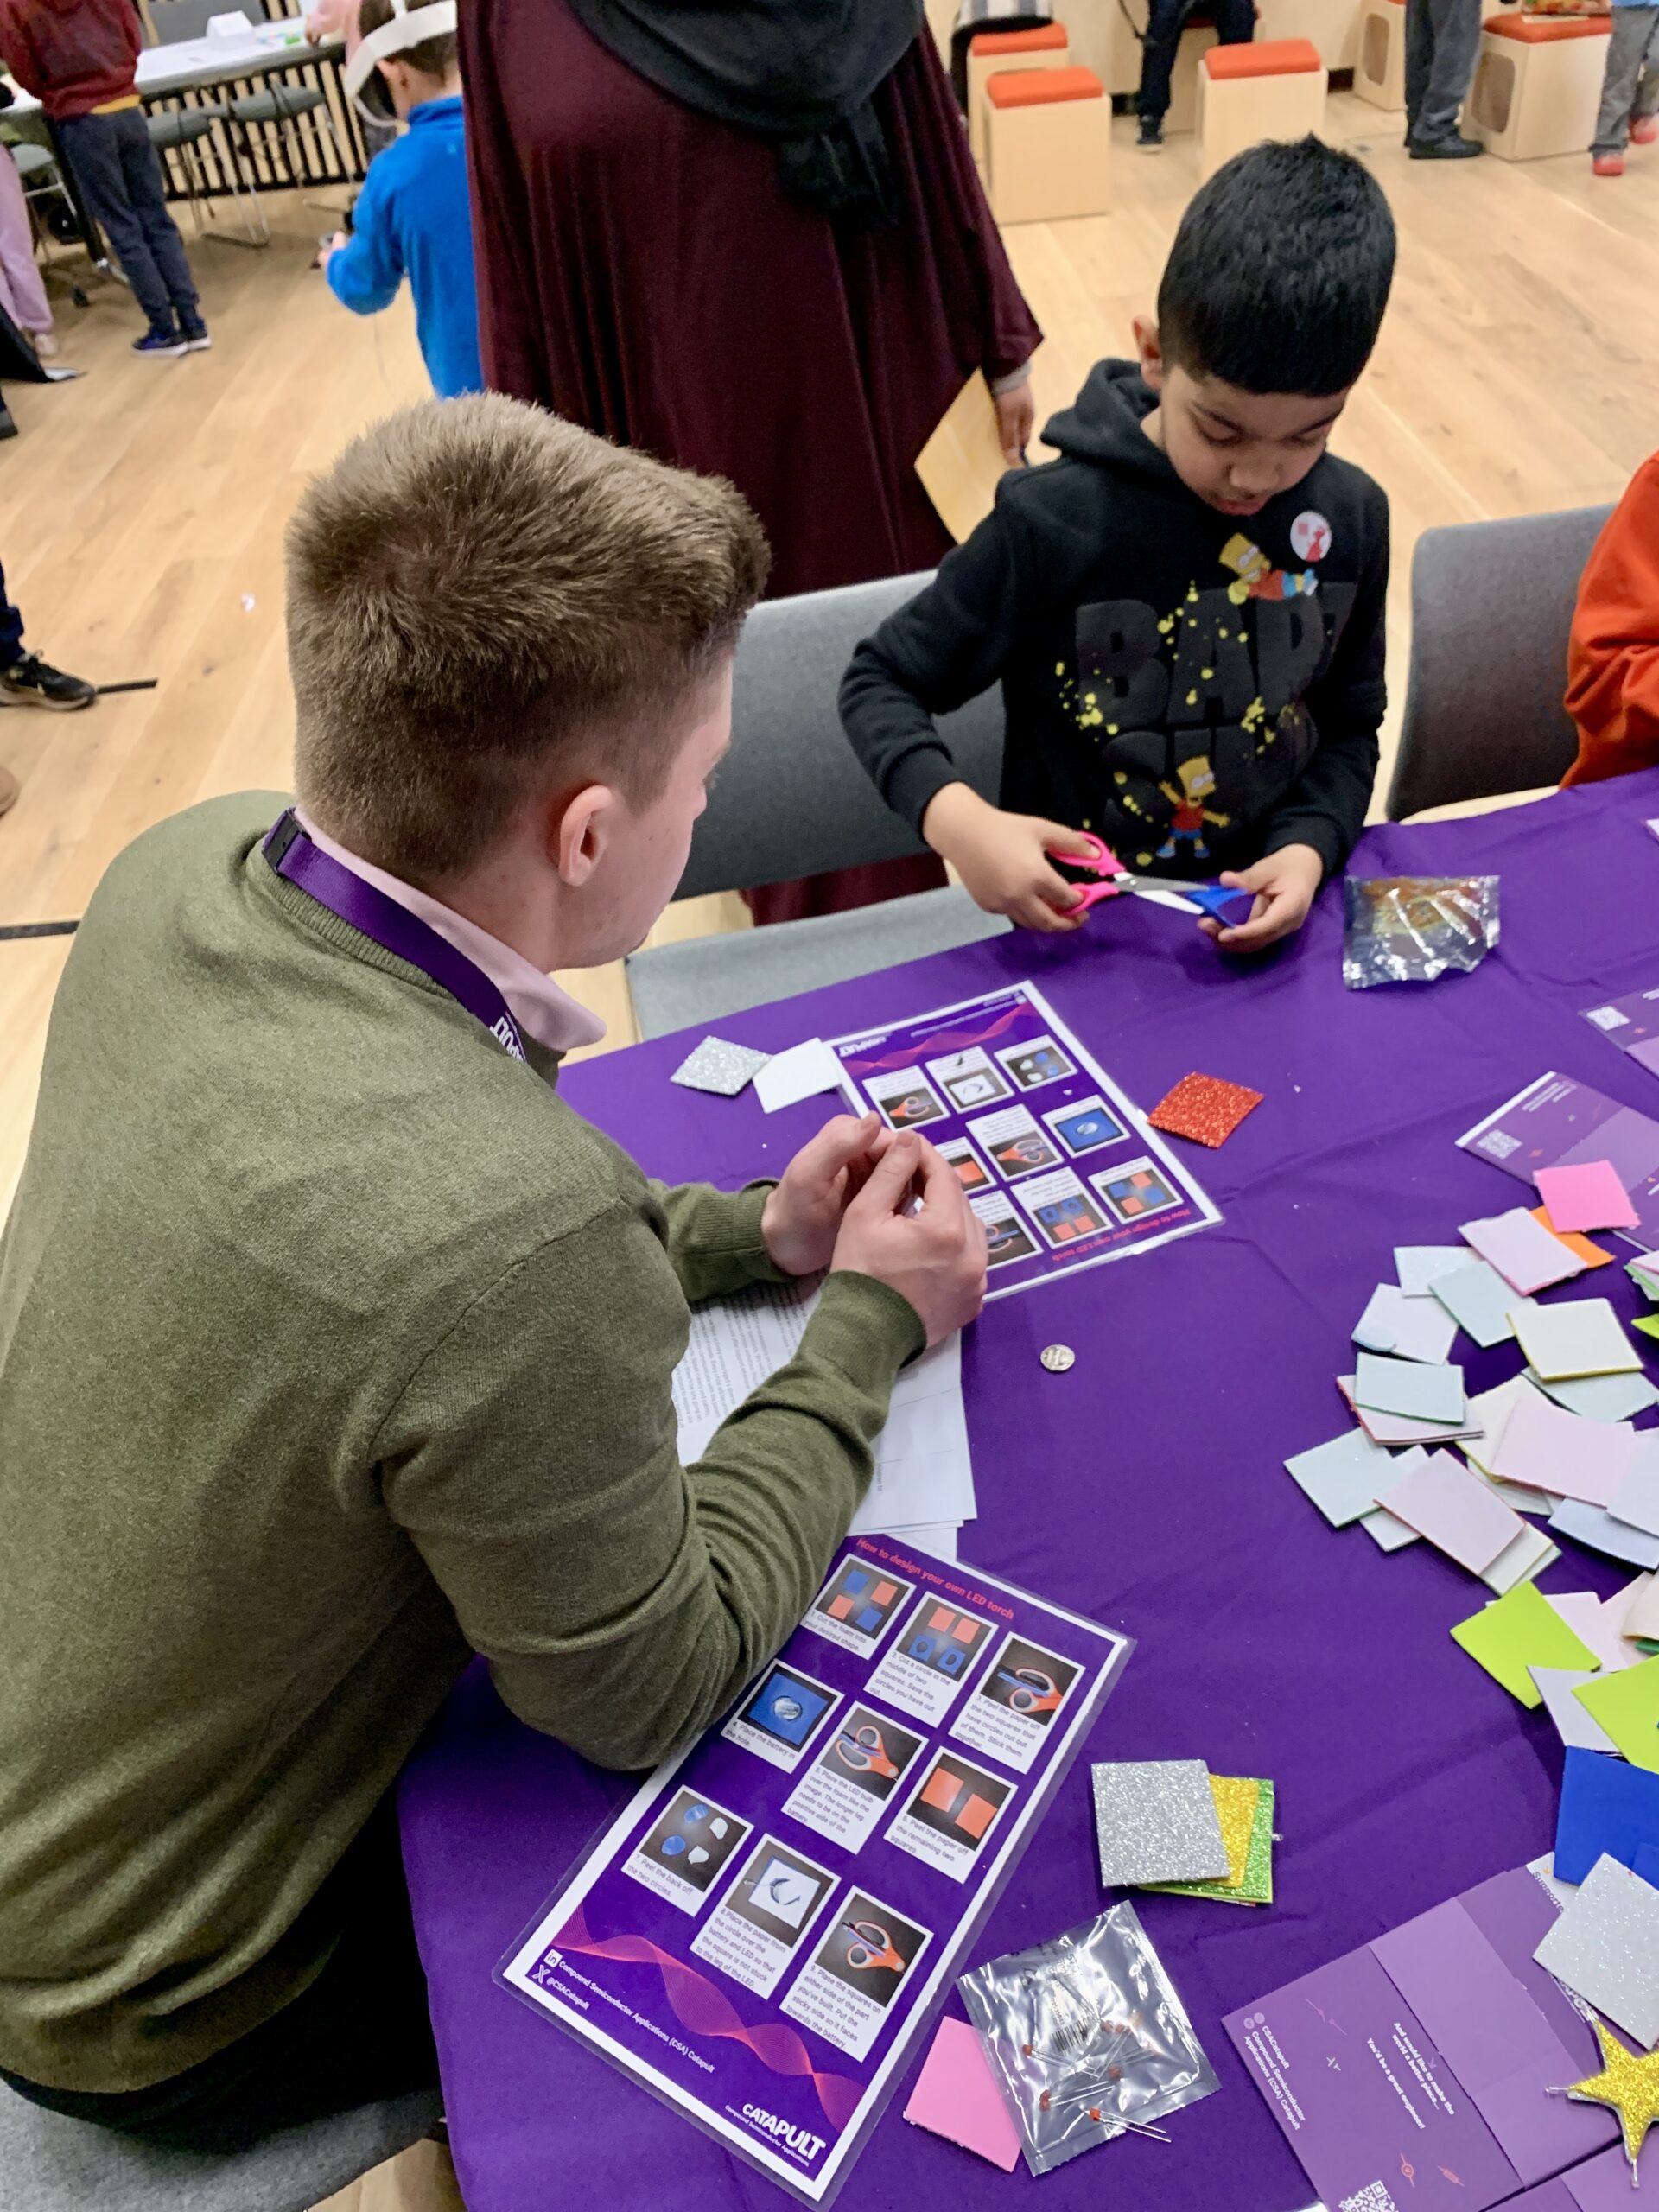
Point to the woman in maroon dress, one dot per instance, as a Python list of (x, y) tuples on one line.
[(748, 238)]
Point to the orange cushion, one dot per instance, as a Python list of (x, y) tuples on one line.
[(1542, 30), (1268, 57), (1047, 38), (1034, 87)]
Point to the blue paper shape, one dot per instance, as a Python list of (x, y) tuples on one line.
[(1647, 1863), (1607, 1805)]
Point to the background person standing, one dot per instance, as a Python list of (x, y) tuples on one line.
[(1442, 46)]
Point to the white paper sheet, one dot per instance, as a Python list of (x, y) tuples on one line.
[(923, 1475), (804, 1071)]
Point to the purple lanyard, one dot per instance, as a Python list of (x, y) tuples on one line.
[(291, 854)]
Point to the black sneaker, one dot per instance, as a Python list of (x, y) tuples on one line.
[(8, 428), (1452, 148), (160, 346), (31, 683), (196, 338), (1151, 140)]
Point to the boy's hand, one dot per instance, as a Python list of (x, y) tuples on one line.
[(1002, 860), (932, 1253), (801, 1218), (330, 247), (1285, 885), (1016, 418)]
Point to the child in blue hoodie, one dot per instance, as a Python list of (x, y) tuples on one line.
[(413, 217)]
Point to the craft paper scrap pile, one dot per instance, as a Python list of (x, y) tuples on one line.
[(1170, 1825), (1556, 1440)]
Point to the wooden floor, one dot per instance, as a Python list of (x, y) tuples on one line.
[(141, 511)]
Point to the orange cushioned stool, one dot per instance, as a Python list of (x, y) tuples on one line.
[(1049, 145), (999, 54), (1274, 89), (1538, 85), (1380, 65)]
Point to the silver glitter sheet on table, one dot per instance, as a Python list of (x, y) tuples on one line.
[(1606, 1949), (1155, 1820), (717, 1066)]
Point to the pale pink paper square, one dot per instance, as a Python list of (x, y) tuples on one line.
[(1522, 1249), (956, 2096), (1587, 1196), (1545, 1447), (1455, 1510)]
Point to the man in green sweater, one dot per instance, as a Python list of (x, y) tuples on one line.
[(334, 1348)]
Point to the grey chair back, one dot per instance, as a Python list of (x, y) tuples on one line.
[(791, 798), (176, 20), (1491, 605)]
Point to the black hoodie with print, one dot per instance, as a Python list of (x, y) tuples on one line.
[(1198, 689)]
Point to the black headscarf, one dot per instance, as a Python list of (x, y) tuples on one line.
[(802, 72)]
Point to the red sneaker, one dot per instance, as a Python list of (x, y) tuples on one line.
[(1644, 129), (1608, 164)]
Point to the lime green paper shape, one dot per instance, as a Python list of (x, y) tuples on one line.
[(1255, 1885), (1648, 1323), (1523, 1630), (1627, 1706)]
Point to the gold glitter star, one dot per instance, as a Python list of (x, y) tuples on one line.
[(1629, 2084)]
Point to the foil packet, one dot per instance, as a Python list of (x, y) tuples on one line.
[(1410, 929), (1087, 2038)]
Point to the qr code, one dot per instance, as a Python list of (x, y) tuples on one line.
[(1374, 2197), (1608, 1017), (1500, 1144)]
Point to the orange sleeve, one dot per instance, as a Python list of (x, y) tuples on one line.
[(1612, 690)]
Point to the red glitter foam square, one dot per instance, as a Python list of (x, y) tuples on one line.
[(1204, 1108)]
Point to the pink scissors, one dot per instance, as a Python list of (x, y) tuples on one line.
[(1116, 879)]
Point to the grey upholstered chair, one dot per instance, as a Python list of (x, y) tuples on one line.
[(48, 2164), (1492, 605), (791, 799)]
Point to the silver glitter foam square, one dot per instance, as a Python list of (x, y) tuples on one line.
[(1606, 1949), (717, 1066), (1153, 1816)]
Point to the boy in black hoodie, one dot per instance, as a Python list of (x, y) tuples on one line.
[(1186, 609)]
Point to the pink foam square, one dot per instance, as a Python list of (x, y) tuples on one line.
[(1589, 1196)]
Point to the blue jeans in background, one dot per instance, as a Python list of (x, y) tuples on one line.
[(120, 178)]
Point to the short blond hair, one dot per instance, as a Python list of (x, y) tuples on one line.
[(484, 602)]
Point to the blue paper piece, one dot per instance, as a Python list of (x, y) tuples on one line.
[(1647, 1863), (1607, 1805)]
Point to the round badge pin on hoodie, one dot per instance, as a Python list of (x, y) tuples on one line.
[(1310, 536)]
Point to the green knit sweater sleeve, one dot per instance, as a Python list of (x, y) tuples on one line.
[(623, 1600), (713, 1239)]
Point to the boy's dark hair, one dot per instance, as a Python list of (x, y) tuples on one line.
[(484, 603), (433, 57), (1279, 272)]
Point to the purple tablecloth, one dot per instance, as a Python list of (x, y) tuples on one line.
[(1145, 1487)]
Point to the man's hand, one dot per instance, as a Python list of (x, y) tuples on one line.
[(801, 1217), (932, 1253), (329, 247), (1001, 858), (1285, 885), (1016, 418)]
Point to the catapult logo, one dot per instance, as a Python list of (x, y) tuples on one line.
[(805, 2147)]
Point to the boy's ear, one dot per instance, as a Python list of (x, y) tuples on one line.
[(1151, 352)]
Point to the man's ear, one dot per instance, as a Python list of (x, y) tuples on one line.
[(1151, 352), (581, 825)]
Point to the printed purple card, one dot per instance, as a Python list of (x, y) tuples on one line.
[(1632, 1024), (759, 1936), (1556, 1123), (1061, 1168), (1370, 2106), (1418, 2067)]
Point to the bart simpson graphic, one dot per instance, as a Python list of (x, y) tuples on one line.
[(1197, 783)]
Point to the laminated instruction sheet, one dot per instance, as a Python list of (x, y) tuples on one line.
[(1061, 1167), (761, 1933), (1557, 1122)]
